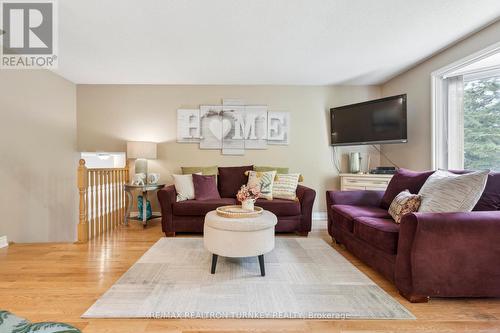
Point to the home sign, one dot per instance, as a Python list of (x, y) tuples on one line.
[(233, 128)]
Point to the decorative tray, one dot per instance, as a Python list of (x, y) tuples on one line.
[(235, 211)]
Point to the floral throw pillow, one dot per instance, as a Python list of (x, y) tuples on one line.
[(263, 179), (404, 203)]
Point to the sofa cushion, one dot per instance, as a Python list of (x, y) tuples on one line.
[(231, 179), (204, 170), (378, 232), (199, 208), (447, 192), (490, 200), (343, 215), (404, 180), (205, 187), (280, 207), (279, 170), (403, 203)]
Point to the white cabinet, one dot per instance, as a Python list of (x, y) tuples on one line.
[(352, 181)]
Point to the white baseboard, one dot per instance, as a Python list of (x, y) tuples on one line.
[(319, 220), (3, 241), (319, 216)]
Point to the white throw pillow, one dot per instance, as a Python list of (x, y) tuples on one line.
[(445, 191), (285, 186), (184, 186)]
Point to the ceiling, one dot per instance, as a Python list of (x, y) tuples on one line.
[(310, 42)]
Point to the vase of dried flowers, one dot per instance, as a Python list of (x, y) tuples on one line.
[(247, 196)]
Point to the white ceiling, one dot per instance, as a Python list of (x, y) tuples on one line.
[(312, 42)]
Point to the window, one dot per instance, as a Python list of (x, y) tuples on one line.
[(482, 123), (104, 159), (466, 113)]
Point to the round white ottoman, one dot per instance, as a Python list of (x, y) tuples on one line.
[(239, 237)]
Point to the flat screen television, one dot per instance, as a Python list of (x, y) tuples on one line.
[(379, 121)]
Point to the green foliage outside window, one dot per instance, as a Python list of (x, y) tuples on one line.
[(482, 124)]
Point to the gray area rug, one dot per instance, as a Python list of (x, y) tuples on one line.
[(305, 278)]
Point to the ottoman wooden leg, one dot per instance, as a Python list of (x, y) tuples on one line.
[(261, 263), (214, 263)]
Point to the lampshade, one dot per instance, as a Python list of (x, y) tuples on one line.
[(140, 149)]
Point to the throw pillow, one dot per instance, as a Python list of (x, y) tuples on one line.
[(231, 179), (285, 186), (206, 171), (263, 179), (445, 191), (404, 203), (490, 200), (184, 187), (279, 170), (404, 180), (205, 187)]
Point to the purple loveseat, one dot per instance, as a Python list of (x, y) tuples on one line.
[(428, 254), (189, 215)]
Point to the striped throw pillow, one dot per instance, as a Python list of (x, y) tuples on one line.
[(285, 186)]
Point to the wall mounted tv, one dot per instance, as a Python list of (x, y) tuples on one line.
[(379, 121)]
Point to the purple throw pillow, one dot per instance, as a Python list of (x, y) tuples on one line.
[(404, 180), (231, 179), (205, 187), (490, 200)]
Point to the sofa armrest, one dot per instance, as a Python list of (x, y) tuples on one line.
[(306, 198), (356, 198), (166, 197), (449, 254)]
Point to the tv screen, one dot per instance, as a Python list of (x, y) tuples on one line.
[(374, 122)]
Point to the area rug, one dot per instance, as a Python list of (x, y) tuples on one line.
[(305, 278)]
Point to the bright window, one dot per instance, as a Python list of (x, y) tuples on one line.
[(466, 112), (104, 159), (481, 100)]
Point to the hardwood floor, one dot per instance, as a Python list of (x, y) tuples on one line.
[(58, 282)]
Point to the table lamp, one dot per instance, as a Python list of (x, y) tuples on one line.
[(141, 151)]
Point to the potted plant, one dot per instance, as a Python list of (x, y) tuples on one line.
[(247, 196)]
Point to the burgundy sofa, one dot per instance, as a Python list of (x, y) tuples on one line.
[(189, 215), (428, 254)]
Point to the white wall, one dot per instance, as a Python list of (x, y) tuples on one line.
[(111, 115), (417, 153), (38, 157)]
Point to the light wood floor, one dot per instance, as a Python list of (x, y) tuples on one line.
[(58, 282)]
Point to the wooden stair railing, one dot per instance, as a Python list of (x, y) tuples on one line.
[(102, 200)]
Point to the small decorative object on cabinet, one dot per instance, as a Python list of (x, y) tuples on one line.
[(153, 178), (355, 162), (139, 179), (350, 182)]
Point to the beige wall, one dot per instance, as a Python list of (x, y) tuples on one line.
[(37, 156), (417, 153), (110, 115)]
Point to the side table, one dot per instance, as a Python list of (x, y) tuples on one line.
[(129, 188)]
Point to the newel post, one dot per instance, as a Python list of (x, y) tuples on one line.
[(83, 227)]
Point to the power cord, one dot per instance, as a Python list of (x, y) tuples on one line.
[(335, 159), (385, 156)]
